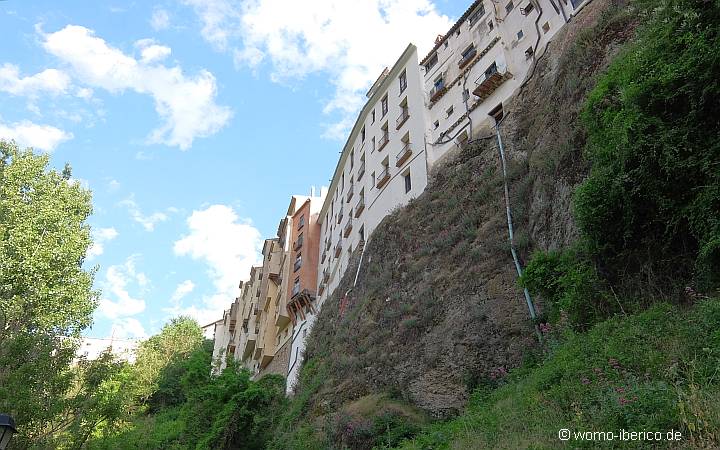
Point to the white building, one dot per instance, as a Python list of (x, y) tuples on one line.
[(382, 166), (481, 62)]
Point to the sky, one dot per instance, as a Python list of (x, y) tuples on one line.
[(193, 122)]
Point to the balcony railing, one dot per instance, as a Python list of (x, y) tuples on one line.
[(348, 226), (350, 193), (467, 58), (298, 244), (437, 91), (360, 207), (383, 140), (338, 248), (490, 82), (383, 178), (403, 155), (361, 170), (404, 116)]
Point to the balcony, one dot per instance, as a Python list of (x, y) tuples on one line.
[(350, 193), (403, 155), (467, 57), (383, 141), (489, 82), (338, 248), (383, 178), (438, 91), (340, 215), (361, 170), (360, 207), (249, 345), (281, 318), (348, 227), (298, 244), (404, 116)]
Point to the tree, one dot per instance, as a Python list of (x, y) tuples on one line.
[(46, 297)]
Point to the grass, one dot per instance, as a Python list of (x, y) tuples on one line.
[(658, 370)]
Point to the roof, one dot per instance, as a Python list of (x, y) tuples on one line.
[(452, 30)]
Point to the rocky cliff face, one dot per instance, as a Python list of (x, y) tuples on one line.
[(437, 307)]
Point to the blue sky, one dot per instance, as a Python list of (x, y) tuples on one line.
[(193, 121)]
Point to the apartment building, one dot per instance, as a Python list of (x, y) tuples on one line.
[(224, 337), (301, 299), (481, 62), (382, 166)]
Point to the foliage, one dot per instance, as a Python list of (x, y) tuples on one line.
[(46, 298), (650, 205), (641, 372)]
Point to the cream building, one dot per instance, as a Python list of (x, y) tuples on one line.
[(480, 63)]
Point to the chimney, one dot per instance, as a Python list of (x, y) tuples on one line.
[(312, 191)]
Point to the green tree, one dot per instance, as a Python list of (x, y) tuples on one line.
[(46, 297)]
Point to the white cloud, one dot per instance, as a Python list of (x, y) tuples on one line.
[(351, 41), (84, 93), (229, 246), (129, 328), (50, 81), (182, 290), (147, 221), (116, 301), (150, 51), (160, 20), (100, 237), (185, 104), (29, 134)]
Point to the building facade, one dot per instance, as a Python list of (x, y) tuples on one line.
[(480, 63), (382, 166)]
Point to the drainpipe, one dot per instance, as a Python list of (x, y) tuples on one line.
[(518, 268)]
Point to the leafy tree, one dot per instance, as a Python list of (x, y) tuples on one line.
[(46, 297)]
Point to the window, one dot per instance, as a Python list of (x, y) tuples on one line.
[(372, 179), (475, 16), (528, 9), (301, 222), (372, 149), (449, 111), (384, 105), (466, 94), (468, 51), (362, 134), (436, 124), (520, 35), (298, 262), (372, 117), (352, 158), (362, 233), (296, 286), (491, 25), (439, 83), (491, 70), (403, 81), (509, 7), (546, 27), (431, 62), (408, 183)]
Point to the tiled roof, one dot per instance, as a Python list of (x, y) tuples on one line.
[(452, 30)]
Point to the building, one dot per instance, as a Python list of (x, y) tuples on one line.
[(382, 166), (480, 63), (301, 305)]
